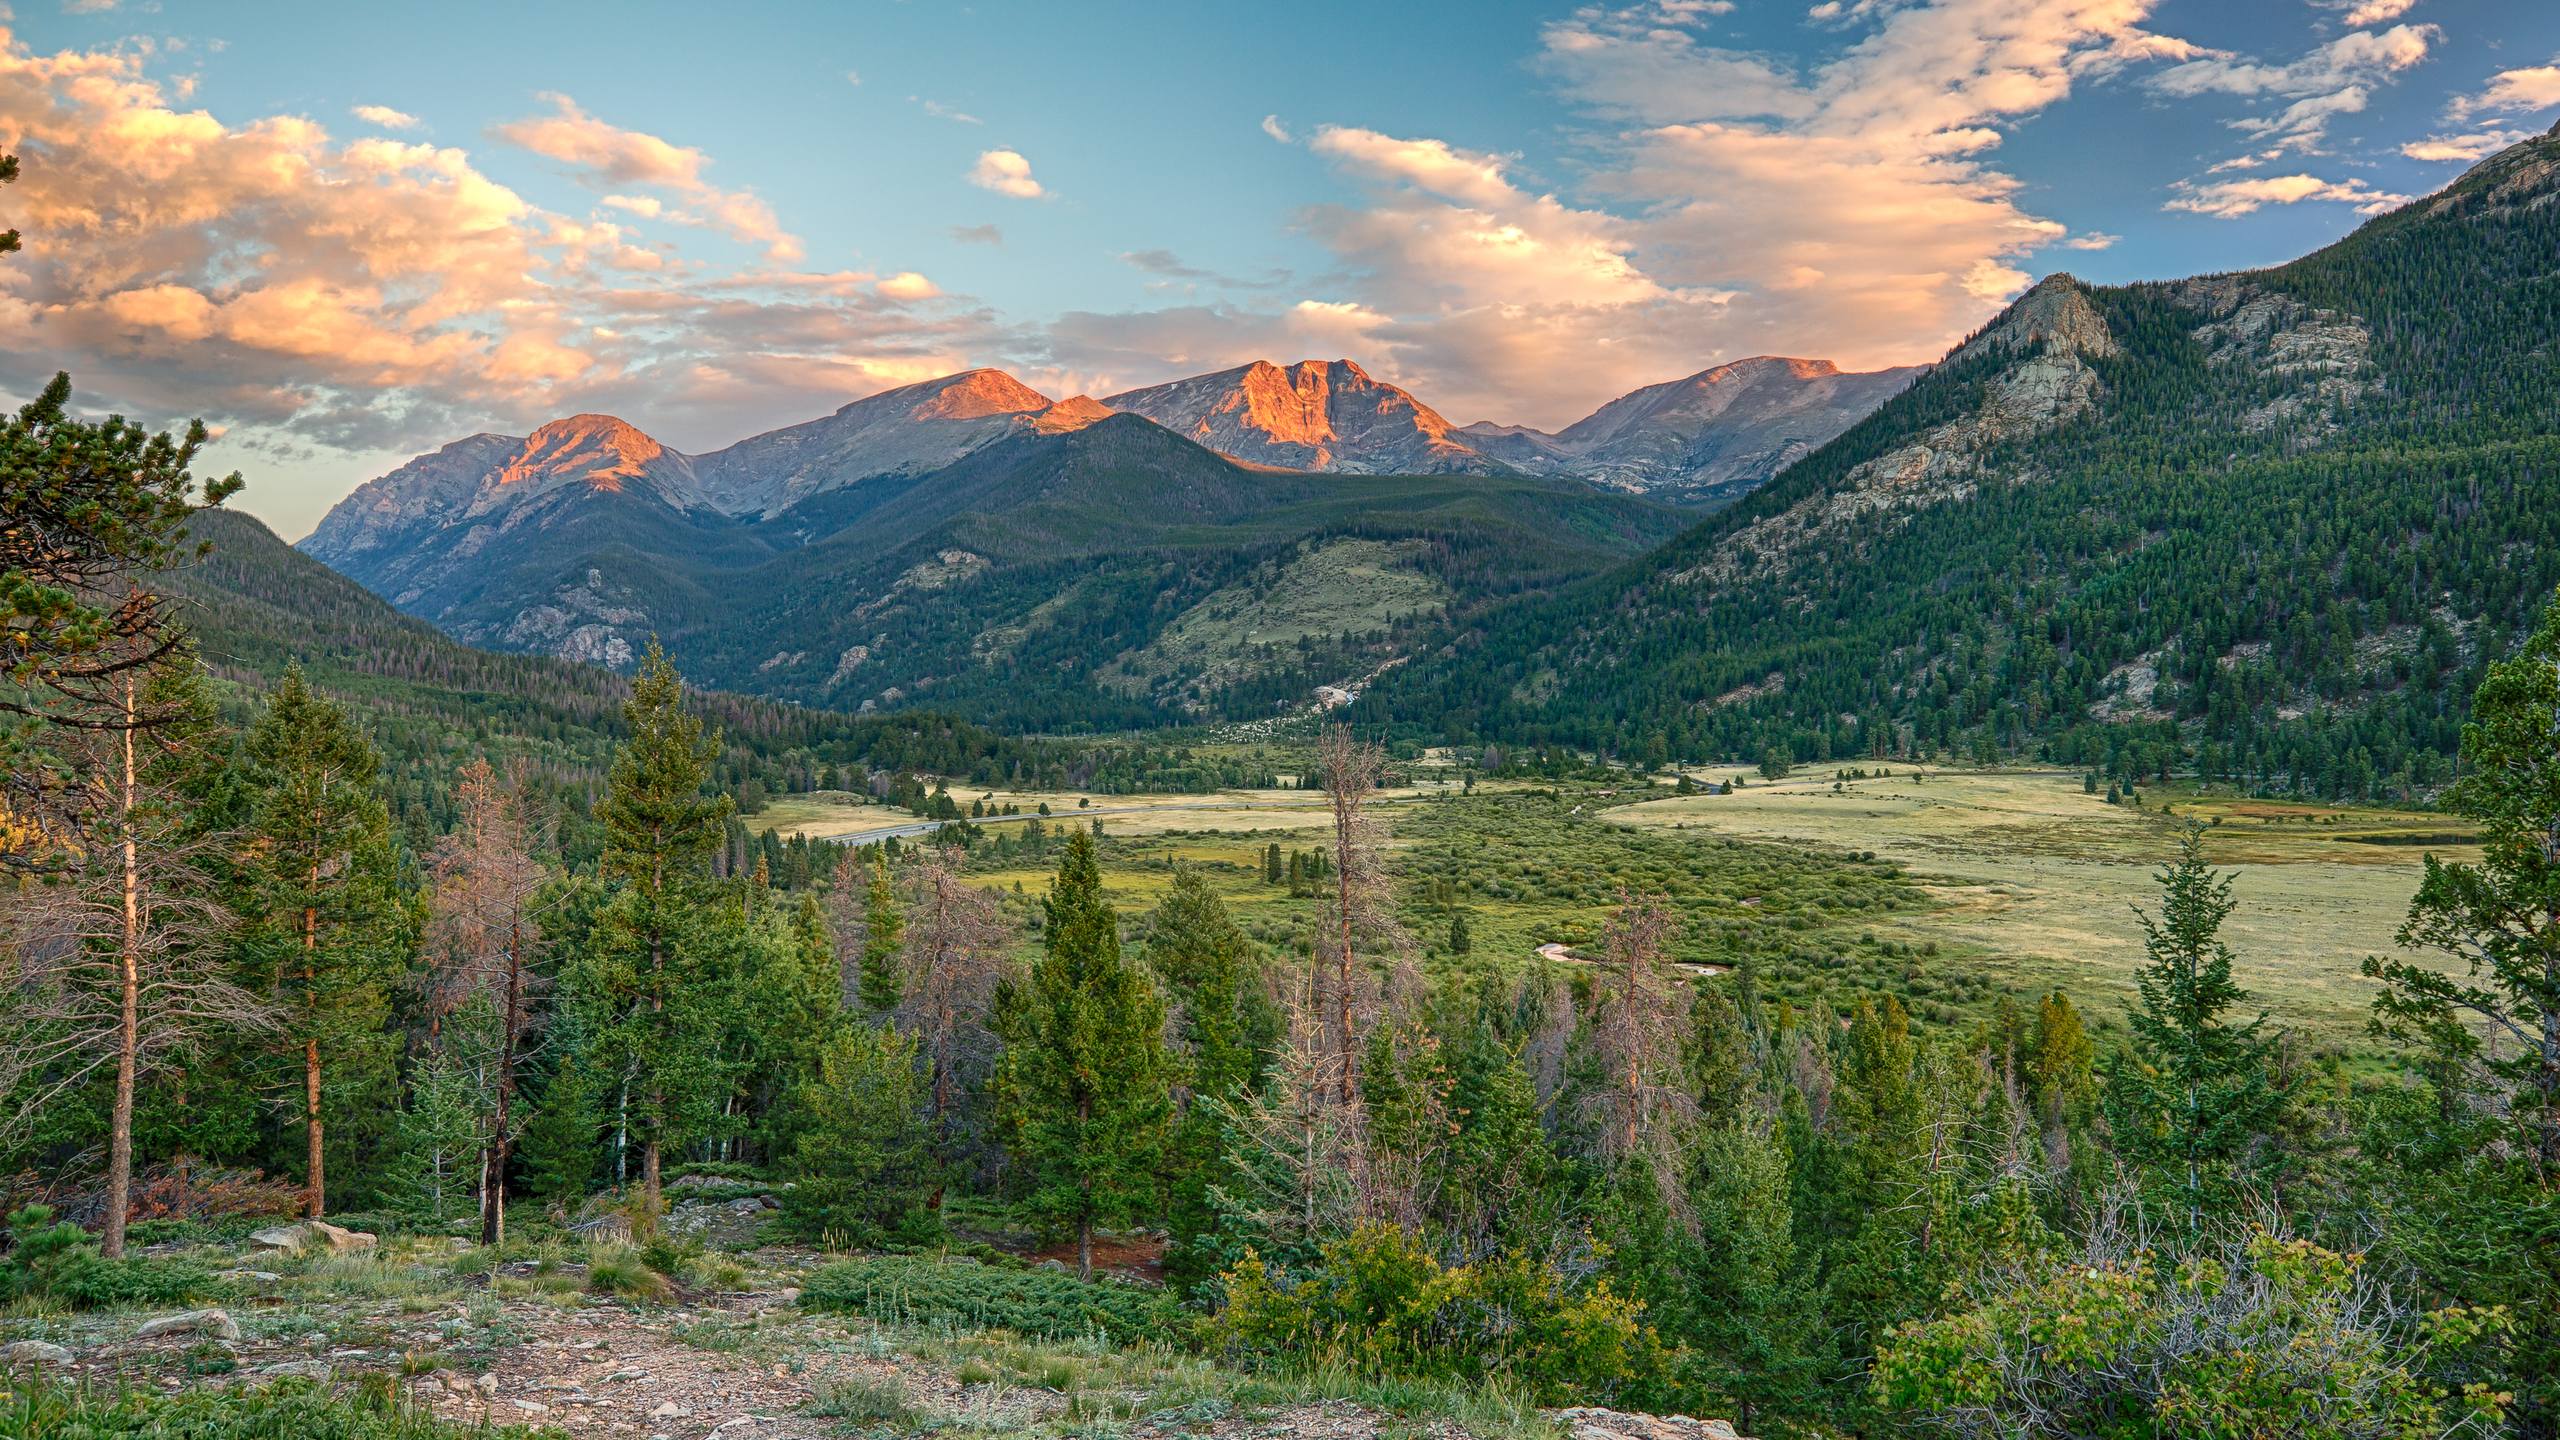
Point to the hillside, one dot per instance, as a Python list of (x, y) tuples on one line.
[(255, 604), (2274, 522), (1024, 582)]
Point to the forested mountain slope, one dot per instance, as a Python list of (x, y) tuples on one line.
[(1102, 574), (255, 605), (2275, 521)]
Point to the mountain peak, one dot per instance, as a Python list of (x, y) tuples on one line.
[(1073, 413), (1313, 414), (976, 394), (600, 450)]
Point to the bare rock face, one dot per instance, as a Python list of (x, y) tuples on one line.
[(312, 1233), (906, 431), (1314, 415), (2043, 341)]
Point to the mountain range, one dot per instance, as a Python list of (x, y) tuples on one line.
[(2271, 522)]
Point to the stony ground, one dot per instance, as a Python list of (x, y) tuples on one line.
[(728, 1352)]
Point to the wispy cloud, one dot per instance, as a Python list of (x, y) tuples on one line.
[(386, 117), (603, 154), (940, 111), (2534, 87), (2230, 199)]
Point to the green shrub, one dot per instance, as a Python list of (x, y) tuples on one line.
[(55, 1260), (627, 1274), (289, 1410), (1379, 1303), (965, 1294)]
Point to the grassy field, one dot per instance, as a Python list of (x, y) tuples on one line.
[(2037, 880), (1990, 881)]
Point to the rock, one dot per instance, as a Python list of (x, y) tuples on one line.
[(215, 1323), (307, 1232), (1592, 1422), (249, 1277), (340, 1238), (486, 1384), (667, 1410), (34, 1352), (305, 1369)]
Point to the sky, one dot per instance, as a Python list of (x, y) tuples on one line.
[(347, 234)]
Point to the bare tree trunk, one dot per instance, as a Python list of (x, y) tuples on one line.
[(315, 1192), (129, 1020)]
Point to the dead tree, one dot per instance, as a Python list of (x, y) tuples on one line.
[(957, 942), (120, 964), (1362, 907), (482, 941), (1639, 1031)]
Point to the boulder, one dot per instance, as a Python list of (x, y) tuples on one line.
[(216, 1323), (34, 1352), (311, 1233), (1592, 1422), (301, 1369)]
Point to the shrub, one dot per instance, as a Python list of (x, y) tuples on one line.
[(969, 1295), (1380, 1304), (55, 1260), (625, 1273), (47, 1411)]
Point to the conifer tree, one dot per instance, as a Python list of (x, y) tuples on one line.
[(663, 957), (884, 928), (2198, 1088), (332, 933), (1084, 1085)]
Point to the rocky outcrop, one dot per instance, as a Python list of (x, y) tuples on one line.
[(1591, 1422), (1314, 415)]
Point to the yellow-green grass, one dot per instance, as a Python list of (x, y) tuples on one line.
[(830, 815), (2038, 879)]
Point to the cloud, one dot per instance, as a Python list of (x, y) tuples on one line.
[(2361, 13), (87, 7), (386, 117), (977, 235), (1272, 127), (2337, 78), (2476, 145), (603, 154), (2231, 199), (2094, 240), (1006, 173), (853, 77), (318, 295), (940, 111), (2535, 87), (1172, 271)]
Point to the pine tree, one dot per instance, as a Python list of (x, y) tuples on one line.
[(331, 930), (663, 958), (859, 1167), (1227, 1030), (883, 929), (1084, 1085), (2198, 1089)]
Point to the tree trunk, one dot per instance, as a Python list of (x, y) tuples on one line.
[(315, 1194), (493, 1164), (128, 1026)]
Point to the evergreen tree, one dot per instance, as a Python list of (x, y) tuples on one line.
[(884, 927), (2197, 1090), (663, 958), (2478, 1169), (1226, 1028), (1084, 1085), (859, 1168), (331, 933)]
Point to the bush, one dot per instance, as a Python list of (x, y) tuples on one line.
[(55, 1260), (1379, 1304), (290, 1410), (967, 1295), (625, 1273)]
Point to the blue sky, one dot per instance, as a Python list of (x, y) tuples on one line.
[(348, 233)]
